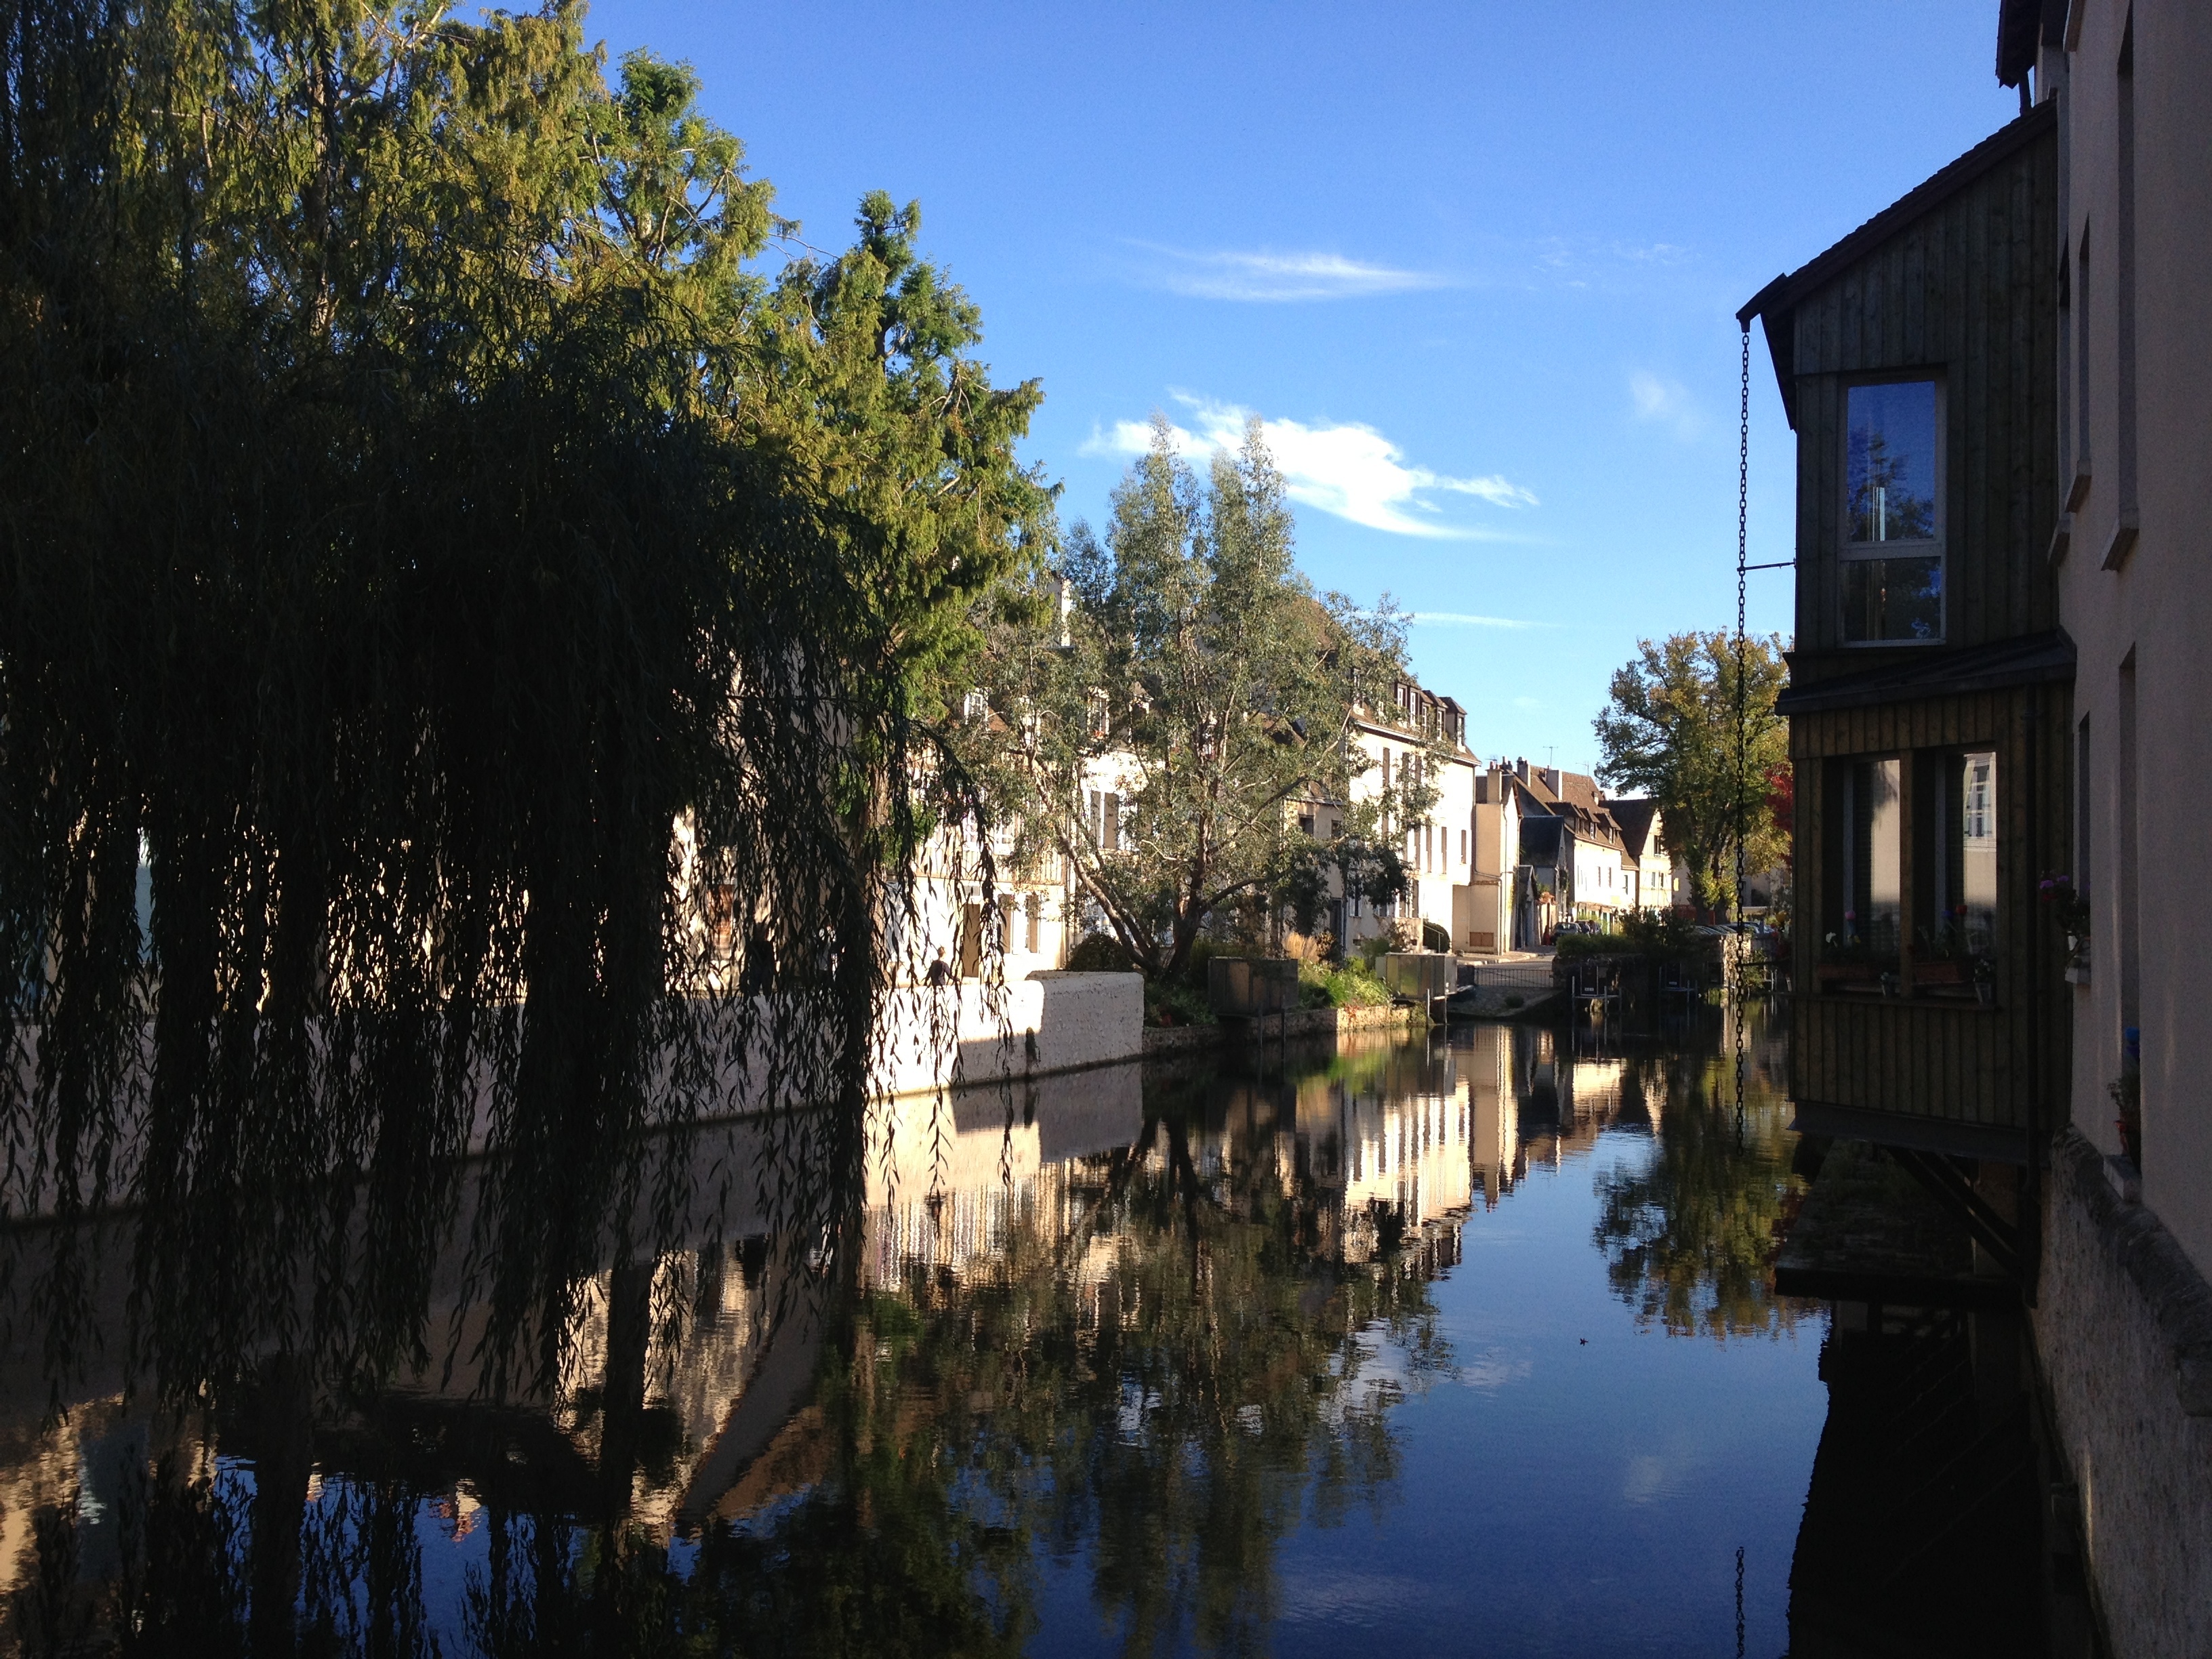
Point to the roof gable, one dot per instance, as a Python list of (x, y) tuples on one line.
[(1637, 816), (1776, 304)]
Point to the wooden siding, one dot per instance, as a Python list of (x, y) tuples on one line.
[(2007, 1067), (1968, 292)]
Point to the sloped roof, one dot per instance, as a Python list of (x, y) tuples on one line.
[(1575, 788), (1531, 801), (2021, 26), (1540, 838), (1776, 304), (1637, 816), (1581, 790)]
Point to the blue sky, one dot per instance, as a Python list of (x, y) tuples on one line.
[(1477, 265)]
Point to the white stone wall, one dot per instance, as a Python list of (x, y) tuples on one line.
[(2135, 583), (973, 1032)]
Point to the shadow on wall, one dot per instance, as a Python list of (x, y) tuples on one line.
[(933, 1037)]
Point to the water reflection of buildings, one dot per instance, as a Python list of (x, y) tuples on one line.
[(1571, 1089), (1382, 1141), (684, 1397)]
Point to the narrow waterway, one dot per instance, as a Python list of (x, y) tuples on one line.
[(1465, 1342)]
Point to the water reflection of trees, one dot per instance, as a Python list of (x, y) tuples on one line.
[(1690, 1233), (1159, 1362), (1159, 1372)]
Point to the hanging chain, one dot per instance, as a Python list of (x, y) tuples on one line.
[(1741, 943)]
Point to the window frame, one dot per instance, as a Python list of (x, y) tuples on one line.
[(1936, 547), (1841, 872), (1941, 848)]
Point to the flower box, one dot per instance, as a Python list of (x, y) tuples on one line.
[(1943, 971), (1829, 973)]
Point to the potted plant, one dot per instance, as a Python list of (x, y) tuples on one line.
[(1849, 960), (2126, 1090), (1943, 958), (1986, 981)]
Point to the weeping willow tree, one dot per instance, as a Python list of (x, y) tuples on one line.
[(417, 502)]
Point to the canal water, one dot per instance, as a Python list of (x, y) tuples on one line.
[(1462, 1342)]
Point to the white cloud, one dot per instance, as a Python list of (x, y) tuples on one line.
[(1463, 619), (1351, 471), (1273, 278), (1665, 401)]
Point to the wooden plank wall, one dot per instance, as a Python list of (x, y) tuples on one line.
[(1969, 291), (2000, 1067)]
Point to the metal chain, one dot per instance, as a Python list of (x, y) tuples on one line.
[(1741, 943), (1739, 1602)]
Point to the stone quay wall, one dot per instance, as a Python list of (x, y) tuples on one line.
[(1298, 1024), (2124, 1326)]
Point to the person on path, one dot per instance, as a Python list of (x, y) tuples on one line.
[(940, 971)]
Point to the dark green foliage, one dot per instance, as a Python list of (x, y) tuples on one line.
[(1671, 730), (1661, 935), (413, 510), (1098, 953)]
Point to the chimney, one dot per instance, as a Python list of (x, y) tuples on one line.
[(1520, 768), (1549, 775)]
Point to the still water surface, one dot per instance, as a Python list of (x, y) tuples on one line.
[(1461, 1343)]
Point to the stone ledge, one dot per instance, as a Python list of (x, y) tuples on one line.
[(1302, 1023), (2156, 1264)]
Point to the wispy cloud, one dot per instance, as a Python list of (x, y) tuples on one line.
[(1664, 402), (1351, 471), (1266, 278), (1585, 263), (1463, 619)]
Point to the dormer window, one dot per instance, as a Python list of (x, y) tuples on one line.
[(1892, 562)]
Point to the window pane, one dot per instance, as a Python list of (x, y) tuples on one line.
[(1893, 598), (1874, 861), (1891, 465), (1978, 853)]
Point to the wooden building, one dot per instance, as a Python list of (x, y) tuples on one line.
[(1931, 686)]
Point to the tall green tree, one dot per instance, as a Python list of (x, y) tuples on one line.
[(1189, 670), (1673, 728), (416, 500)]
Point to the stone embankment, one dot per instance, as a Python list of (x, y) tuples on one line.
[(1302, 1023)]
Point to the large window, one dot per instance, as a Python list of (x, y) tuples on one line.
[(1867, 899), (1892, 552), (1955, 897)]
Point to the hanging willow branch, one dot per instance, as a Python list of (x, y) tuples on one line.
[(398, 546)]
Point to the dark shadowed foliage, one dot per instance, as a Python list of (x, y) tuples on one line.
[(1166, 1366), (414, 511)]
